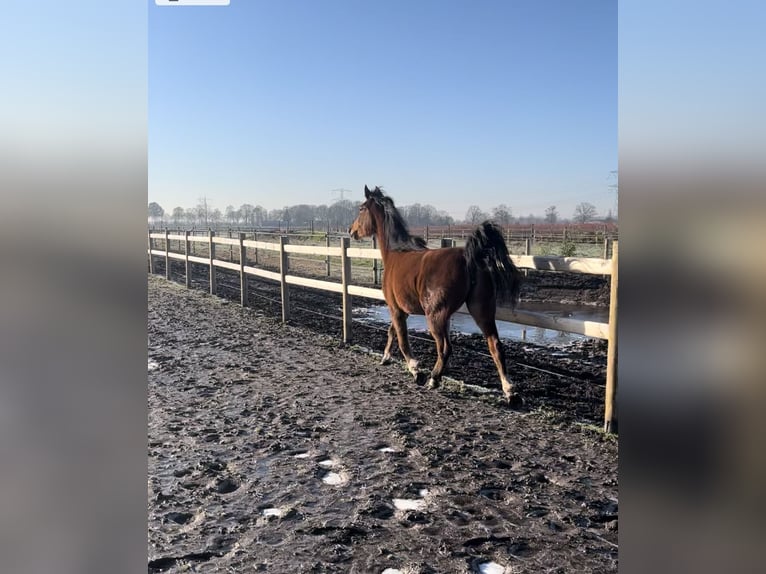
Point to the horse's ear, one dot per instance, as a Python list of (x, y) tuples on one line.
[(366, 192)]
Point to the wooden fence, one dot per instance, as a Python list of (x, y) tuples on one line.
[(347, 289)]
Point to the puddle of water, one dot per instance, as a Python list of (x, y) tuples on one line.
[(464, 323), (391, 571), (387, 449), (333, 479), (327, 463), (491, 568), (301, 455), (273, 512), (409, 504), (423, 492), (153, 365)]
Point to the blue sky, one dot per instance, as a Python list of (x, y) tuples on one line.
[(449, 103)]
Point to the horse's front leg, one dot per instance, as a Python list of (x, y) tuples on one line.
[(399, 322), (389, 344)]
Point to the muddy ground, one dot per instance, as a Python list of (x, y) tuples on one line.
[(277, 448)]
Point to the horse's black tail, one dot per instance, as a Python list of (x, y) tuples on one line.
[(486, 249)]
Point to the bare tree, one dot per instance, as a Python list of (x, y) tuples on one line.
[(259, 214), (551, 214), (178, 215), (584, 212), (475, 215), (202, 212), (342, 213), (232, 215), (246, 213), (502, 214), (155, 212)]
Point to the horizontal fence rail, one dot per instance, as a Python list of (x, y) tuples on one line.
[(283, 249)]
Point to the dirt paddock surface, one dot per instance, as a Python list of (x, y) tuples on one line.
[(277, 448)]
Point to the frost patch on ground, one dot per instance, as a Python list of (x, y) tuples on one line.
[(273, 512), (409, 504), (334, 479), (491, 568)]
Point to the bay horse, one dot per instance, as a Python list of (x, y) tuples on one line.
[(436, 282)]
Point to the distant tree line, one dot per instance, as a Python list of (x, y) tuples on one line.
[(342, 213)]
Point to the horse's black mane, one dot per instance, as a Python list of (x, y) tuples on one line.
[(397, 234)]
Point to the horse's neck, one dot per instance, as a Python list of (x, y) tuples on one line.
[(381, 236)]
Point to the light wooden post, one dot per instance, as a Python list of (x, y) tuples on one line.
[(151, 261), (188, 263), (610, 404), (606, 247), (327, 259), (211, 253), (375, 266), (242, 274), (527, 251), (231, 248), (285, 288), (167, 255), (346, 280)]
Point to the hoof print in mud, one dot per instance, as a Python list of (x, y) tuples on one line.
[(178, 517), (226, 486)]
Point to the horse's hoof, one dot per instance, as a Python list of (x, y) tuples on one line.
[(514, 401), (385, 360), (432, 383)]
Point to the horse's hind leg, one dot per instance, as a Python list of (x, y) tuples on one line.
[(399, 323), (483, 312), (387, 351), (439, 327)]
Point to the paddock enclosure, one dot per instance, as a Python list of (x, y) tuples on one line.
[(278, 447), (271, 260)]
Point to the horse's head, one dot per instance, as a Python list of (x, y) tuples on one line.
[(364, 224)]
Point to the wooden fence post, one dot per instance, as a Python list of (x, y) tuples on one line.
[(610, 404), (231, 248), (327, 259), (346, 279), (211, 253), (375, 267), (167, 255), (527, 251), (151, 261), (255, 258), (285, 288), (188, 263), (242, 274)]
